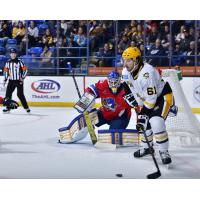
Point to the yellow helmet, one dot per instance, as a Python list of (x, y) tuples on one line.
[(131, 53)]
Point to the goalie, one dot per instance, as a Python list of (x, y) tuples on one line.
[(115, 111)]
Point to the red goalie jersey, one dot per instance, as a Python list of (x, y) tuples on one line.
[(113, 104)]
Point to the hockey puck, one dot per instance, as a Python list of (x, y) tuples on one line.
[(119, 175)]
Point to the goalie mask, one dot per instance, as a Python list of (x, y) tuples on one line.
[(114, 80), (132, 58)]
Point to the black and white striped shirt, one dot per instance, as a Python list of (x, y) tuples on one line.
[(15, 69)]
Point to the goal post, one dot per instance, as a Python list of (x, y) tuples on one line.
[(184, 129)]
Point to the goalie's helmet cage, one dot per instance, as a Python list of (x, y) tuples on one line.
[(114, 80)]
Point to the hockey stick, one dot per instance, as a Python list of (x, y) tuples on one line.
[(75, 83), (156, 174), (88, 121)]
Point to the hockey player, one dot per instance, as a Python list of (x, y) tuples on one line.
[(11, 104), (154, 96), (115, 111)]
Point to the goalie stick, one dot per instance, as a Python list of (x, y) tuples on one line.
[(88, 121)]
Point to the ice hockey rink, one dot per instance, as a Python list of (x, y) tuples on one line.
[(29, 149)]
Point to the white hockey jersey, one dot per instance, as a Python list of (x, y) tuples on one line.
[(146, 86)]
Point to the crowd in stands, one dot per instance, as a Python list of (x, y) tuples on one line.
[(40, 40)]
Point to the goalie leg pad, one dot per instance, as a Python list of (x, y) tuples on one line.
[(118, 136), (74, 132), (77, 129)]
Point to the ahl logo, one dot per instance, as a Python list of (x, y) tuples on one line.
[(45, 86), (197, 93)]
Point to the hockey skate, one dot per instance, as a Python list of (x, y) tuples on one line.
[(6, 110), (28, 110), (143, 152), (166, 158)]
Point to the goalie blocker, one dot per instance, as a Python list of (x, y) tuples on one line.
[(85, 102)]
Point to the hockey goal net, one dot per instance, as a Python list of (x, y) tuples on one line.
[(184, 128)]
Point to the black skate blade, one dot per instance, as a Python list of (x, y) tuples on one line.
[(154, 175)]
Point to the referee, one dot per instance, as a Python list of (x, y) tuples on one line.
[(15, 72)]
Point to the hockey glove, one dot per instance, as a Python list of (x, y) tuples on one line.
[(142, 122), (173, 111), (130, 100)]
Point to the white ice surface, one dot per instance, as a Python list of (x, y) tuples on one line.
[(29, 149)]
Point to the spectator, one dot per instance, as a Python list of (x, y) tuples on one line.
[(63, 53), (95, 32), (139, 36), (176, 26), (133, 44), (80, 38), (125, 32), (18, 32), (190, 55), (185, 42), (154, 54), (47, 39), (141, 49), (166, 42), (46, 54), (15, 22), (4, 31), (32, 34), (46, 61), (108, 31), (124, 43), (165, 33), (153, 36), (133, 33), (52, 26), (177, 54), (105, 52), (191, 32), (64, 26), (163, 25), (181, 35), (72, 52), (133, 24), (58, 38)]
